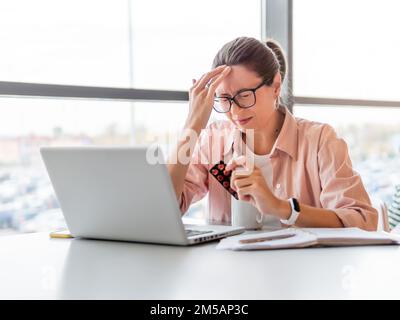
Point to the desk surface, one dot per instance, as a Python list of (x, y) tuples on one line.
[(34, 266)]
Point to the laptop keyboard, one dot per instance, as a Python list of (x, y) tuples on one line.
[(192, 233)]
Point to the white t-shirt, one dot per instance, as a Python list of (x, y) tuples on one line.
[(263, 162)]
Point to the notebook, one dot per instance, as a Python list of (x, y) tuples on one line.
[(307, 237)]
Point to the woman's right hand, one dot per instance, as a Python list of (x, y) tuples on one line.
[(201, 96)]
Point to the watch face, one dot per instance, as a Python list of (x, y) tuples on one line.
[(296, 205)]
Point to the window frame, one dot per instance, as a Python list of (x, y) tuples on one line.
[(41, 90), (276, 22), (311, 101)]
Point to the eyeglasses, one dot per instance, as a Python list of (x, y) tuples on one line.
[(245, 98)]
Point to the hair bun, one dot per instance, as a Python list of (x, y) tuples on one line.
[(280, 56)]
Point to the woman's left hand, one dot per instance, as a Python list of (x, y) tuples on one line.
[(251, 186)]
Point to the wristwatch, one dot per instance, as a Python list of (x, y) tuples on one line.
[(295, 212)]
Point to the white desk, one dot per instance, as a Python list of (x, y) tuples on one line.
[(34, 266)]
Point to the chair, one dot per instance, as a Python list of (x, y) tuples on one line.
[(394, 210), (383, 219)]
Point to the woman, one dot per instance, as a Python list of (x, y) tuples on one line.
[(302, 175)]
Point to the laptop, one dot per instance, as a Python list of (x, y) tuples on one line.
[(115, 193)]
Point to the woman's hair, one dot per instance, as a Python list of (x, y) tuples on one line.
[(266, 59)]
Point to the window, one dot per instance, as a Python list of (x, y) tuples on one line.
[(345, 70), (107, 45), (346, 49), (373, 138), (27, 200), (65, 42), (155, 44), (175, 41)]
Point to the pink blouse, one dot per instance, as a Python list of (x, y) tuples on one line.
[(309, 162)]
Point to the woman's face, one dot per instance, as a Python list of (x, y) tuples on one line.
[(257, 116)]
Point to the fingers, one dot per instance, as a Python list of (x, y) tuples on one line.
[(215, 82), (241, 182), (208, 76), (239, 175), (244, 197), (244, 193)]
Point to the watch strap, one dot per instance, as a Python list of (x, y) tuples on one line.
[(294, 204)]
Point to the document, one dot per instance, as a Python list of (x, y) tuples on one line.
[(307, 237)]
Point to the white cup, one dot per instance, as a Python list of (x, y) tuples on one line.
[(244, 214)]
